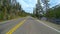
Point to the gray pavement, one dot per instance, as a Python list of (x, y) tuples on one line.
[(5, 27), (30, 26)]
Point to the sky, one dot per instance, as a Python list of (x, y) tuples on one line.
[(28, 5)]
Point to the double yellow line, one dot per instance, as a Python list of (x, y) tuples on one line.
[(16, 27)]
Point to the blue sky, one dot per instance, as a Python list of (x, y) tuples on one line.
[(28, 5)]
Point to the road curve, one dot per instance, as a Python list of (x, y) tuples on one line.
[(29, 26)]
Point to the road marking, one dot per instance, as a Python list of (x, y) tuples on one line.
[(48, 26), (16, 27)]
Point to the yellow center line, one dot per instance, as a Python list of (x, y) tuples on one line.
[(16, 27)]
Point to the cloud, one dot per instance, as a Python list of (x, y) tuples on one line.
[(54, 2), (28, 5)]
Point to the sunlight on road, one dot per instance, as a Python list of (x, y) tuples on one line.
[(29, 17)]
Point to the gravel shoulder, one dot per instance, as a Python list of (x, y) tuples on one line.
[(56, 26)]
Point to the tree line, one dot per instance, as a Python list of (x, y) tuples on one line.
[(45, 10), (54, 12), (10, 9)]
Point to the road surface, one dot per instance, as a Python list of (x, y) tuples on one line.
[(27, 25)]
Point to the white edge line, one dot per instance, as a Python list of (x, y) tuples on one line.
[(49, 26)]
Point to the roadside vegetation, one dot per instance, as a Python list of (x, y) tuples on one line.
[(10, 9), (54, 12), (51, 14)]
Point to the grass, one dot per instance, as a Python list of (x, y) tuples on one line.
[(12, 18)]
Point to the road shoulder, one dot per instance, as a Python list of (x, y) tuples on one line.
[(49, 24)]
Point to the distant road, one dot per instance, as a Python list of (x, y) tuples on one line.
[(27, 25)]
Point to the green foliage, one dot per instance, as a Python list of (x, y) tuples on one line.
[(10, 9), (1, 16), (53, 13)]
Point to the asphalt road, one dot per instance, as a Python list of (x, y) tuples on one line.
[(27, 25)]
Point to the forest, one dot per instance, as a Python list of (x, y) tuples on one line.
[(10, 9)]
